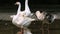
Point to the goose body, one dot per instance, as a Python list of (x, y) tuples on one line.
[(22, 16), (22, 21)]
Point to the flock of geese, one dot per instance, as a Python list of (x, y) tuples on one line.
[(23, 18)]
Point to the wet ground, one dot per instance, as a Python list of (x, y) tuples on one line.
[(6, 27)]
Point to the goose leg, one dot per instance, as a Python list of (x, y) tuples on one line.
[(22, 30)]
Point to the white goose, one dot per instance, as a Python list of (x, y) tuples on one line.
[(22, 14), (21, 19)]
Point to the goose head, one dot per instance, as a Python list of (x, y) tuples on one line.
[(17, 3)]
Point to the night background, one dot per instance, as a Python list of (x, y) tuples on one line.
[(8, 8), (7, 5)]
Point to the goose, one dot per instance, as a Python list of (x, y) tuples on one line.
[(51, 17), (21, 19), (20, 13)]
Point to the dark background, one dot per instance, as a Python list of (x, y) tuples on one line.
[(8, 5), (31, 1)]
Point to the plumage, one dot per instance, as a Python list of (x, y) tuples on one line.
[(22, 19), (40, 15)]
